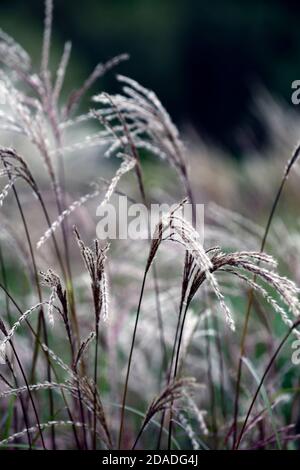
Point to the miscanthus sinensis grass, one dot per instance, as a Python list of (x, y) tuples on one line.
[(106, 342)]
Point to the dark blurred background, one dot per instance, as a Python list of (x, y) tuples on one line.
[(204, 58)]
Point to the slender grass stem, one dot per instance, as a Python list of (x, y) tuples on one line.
[(130, 361), (23, 406), (269, 366), (95, 385), (47, 358), (289, 166), (29, 393), (41, 317)]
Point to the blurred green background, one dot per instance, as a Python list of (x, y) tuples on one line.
[(205, 59)]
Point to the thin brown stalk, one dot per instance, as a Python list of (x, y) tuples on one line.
[(269, 366), (41, 320), (29, 393), (288, 168), (130, 360), (46, 355), (139, 175)]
